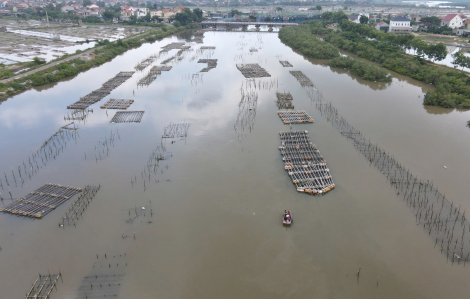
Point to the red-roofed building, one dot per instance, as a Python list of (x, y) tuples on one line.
[(415, 18), (463, 17), (467, 24), (452, 20), (178, 8)]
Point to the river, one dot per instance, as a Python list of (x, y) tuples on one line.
[(212, 224)]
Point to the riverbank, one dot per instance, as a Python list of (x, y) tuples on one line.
[(451, 91), (75, 64)]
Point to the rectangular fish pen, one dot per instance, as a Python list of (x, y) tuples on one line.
[(117, 104), (103, 91), (304, 163), (42, 201), (252, 70), (127, 117), (304, 80), (295, 117), (211, 64), (285, 63), (284, 101)]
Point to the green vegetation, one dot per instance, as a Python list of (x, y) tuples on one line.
[(187, 16), (301, 39), (362, 69), (75, 66), (388, 50)]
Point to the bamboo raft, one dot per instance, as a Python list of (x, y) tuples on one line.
[(176, 130), (161, 68), (174, 46), (42, 201), (304, 80), (117, 104), (98, 94), (79, 205), (285, 63), (211, 64), (252, 70), (284, 101), (168, 60), (43, 286), (253, 49), (295, 117), (127, 117), (304, 163)]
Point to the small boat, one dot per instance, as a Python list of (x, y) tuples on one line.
[(287, 220)]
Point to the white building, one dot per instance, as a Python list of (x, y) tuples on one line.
[(400, 25), (452, 20)]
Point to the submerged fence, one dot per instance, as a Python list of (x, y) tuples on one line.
[(440, 218)]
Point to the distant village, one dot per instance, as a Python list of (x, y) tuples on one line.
[(432, 21)]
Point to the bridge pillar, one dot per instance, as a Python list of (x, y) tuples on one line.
[(245, 27), (257, 25)]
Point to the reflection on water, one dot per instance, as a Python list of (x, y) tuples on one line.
[(372, 85), (196, 217)]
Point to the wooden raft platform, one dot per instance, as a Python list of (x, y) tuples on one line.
[(128, 117), (295, 117), (304, 80), (211, 64), (207, 48), (284, 101), (117, 104), (40, 202), (304, 163), (252, 70), (98, 94), (285, 63)]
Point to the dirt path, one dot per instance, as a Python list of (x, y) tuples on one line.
[(48, 65)]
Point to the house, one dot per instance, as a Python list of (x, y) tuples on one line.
[(156, 12), (415, 18), (466, 24), (357, 18), (77, 6), (141, 12), (178, 8), (400, 25), (5, 12), (66, 8), (127, 7), (382, 26), (92, 6), (463, 17), (452, 20), (126, 14)]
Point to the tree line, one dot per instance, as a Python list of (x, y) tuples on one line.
[(301, 39), (452, 87)]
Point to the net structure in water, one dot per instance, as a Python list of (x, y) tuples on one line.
[(128, 117), (440, 218), (304, 164)]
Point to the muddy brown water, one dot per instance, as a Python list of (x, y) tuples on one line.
[(216, 226)]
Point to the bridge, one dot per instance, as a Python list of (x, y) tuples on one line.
[(205, 24)]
